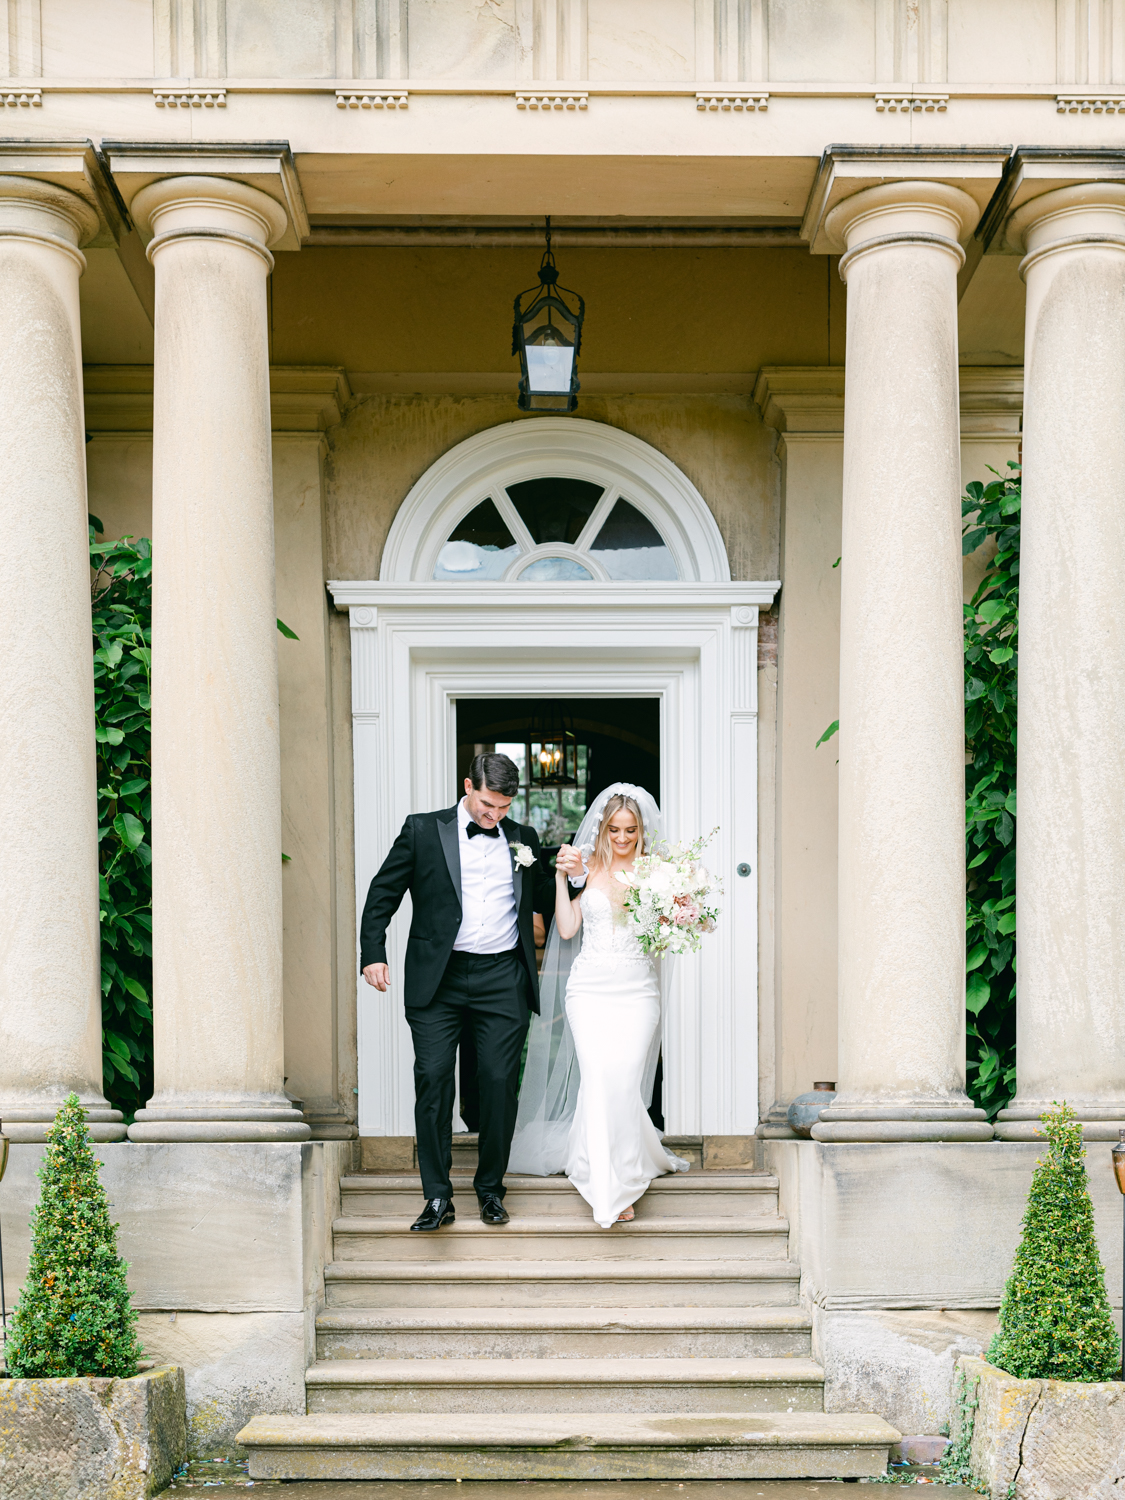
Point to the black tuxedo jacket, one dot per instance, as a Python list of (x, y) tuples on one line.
[(425, 860)]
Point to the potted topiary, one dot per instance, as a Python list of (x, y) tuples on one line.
[(77, 1417), (1043, 1415)]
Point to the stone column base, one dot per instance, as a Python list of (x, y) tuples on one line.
[(169, 1123), (938, 1123), (32, 1125), (1021, 1122)]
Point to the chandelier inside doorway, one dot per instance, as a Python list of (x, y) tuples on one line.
[(552, 750)]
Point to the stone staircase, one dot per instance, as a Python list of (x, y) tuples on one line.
[(668, 1348)]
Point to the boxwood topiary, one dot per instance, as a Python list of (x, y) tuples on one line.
[(1055, 1321), (73, 1316)]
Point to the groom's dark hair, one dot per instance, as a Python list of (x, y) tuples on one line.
[(499, 773)]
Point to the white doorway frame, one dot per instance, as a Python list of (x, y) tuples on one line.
[(418, 645), (417, 648)]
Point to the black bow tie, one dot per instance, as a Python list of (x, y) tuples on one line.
[(474, 828)]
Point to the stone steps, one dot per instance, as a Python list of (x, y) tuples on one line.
[(710, 1195), (546, 1283), (551, 1238), (464, 1154), (582, 1446), (548, 1348), (633, 1386), (562, 1333)]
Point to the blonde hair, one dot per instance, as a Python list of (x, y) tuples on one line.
[(602, 854)]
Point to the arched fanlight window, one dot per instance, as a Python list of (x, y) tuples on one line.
[(554, 529)]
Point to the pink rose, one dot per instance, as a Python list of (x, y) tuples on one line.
[(686, 914)]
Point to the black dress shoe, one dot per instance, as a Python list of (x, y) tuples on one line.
[(438, 1211), (492, 1210)]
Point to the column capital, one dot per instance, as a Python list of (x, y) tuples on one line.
[(991, 398), (845, 171), (1034, 176), (64, 180), (802, 401), (172, 209), (304, 399), (264, 166), (806, 402)]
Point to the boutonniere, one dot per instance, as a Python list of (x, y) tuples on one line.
[(522, 855)]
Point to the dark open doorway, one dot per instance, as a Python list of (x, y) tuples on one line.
[(616, 739)]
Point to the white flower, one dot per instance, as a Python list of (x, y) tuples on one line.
[(522, 855)]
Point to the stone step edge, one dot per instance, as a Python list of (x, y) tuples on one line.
[(562, 1270), (557, 1226), (564, 1320), (685, 1182), (546, 1430), (516, 1373)]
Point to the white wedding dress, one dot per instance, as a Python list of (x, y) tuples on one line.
[(613, 1010)]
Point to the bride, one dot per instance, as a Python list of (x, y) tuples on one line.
[(592, 1053)]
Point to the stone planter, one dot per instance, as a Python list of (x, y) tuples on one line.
[(1043, 1439), (92, 1437)]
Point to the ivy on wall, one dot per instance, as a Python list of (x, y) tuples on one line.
[(121, 597), (991, 655)]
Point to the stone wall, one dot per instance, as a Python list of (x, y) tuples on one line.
[(904, 1251), (226, 1246)]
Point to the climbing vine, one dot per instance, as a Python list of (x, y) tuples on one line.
[(122, 620), (121, 596), (991, 655), (957, 1461)]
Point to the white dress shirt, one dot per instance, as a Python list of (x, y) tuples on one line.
[(488, 897)]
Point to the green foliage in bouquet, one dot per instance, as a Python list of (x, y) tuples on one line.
[(73, 1316), (991, 654), (122, 617), (1055, 1321)]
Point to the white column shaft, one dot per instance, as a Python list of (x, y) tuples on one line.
[(902, 744), (217, 920), (50, 990), (1070, 860)]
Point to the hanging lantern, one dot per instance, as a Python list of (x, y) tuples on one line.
[(547, 335), (554, 751)]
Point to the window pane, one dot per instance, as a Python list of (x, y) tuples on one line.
[(629, 546), (555, 510), (555, 570), (515, 752), (480, 546)]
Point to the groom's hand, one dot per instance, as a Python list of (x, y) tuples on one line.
[(568, 860), (378, 975)]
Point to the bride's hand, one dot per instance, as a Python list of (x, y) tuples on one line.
[(568, 860)]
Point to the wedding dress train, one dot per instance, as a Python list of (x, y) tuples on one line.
[(613, 1009)]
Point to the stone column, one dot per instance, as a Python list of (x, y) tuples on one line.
[(50, 990), (902, 807), (1070, 859), (216, 780)]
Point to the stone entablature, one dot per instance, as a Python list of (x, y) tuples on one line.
[(888, 46)]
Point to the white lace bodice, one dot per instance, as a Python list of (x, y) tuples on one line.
[(604, 934)]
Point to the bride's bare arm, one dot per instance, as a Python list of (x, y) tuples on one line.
[(568, 913)]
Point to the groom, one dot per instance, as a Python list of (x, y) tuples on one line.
[(475, 883)]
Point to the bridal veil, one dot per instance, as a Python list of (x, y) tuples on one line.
[(549, 1091)]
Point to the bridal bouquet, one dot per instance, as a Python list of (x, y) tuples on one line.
[(669, 897)]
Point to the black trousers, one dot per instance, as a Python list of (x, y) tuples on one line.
[(489, 992)]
